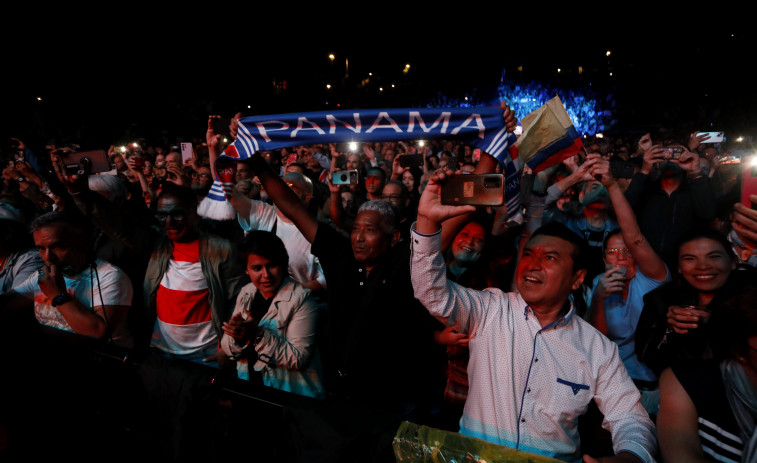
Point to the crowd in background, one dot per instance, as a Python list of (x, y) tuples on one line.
[(259, 290)]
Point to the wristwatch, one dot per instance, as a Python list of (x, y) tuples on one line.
[(60, 299)]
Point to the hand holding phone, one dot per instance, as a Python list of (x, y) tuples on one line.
[(672, 152), (711, 137), (187, 153), (84, 162), (345, 177), (474, 190)]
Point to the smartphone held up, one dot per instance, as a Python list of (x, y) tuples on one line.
[(474, 189), (712, 137), (85, 162), (345, 177)]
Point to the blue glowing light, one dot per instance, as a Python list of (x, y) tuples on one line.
[(590, 115)]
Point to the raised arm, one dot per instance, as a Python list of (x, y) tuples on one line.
[(283, 197), (486, 164), (431, 212), (443, 299), (214, 143), (649, 262)]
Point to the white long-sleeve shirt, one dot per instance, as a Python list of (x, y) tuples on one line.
[(528, 383)]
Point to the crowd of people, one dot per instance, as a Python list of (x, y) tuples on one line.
[(609, 319)]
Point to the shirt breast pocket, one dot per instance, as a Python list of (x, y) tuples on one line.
[(569, 399)]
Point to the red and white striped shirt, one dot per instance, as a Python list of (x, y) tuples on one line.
[(183, 325)]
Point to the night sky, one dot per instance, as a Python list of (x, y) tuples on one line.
[(162, 77)]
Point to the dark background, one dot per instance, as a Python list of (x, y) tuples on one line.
[(137, 75)]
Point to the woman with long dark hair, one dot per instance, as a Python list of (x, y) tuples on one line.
[(675, 323)]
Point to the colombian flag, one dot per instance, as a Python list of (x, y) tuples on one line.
[(548, 137)]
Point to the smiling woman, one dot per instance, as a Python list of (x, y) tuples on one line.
[(272, 332), (707, 274)]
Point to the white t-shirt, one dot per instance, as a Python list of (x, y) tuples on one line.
[(108, 285)]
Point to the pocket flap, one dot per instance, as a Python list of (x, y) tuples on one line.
[(575, 386)]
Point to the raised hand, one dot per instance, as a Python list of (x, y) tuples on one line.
[(653, 155), (431, 211), (74, 183)]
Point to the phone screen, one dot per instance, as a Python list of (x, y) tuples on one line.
[(186, 151), (715, 137), (86, 162)]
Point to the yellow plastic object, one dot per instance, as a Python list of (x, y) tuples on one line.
[(416, 444)]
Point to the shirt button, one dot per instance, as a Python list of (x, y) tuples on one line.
[(360, 270), (536, 360), (361, 283), (522, 420), (528, 390)]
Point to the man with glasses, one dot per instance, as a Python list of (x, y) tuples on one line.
[(191, 281), (202, 180), (190, 288)]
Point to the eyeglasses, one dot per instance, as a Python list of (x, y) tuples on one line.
[(176, 215), (617, 252)]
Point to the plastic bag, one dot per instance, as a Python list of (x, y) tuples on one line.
[(414, 443)]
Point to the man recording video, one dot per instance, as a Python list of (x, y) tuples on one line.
[(534, 364)]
